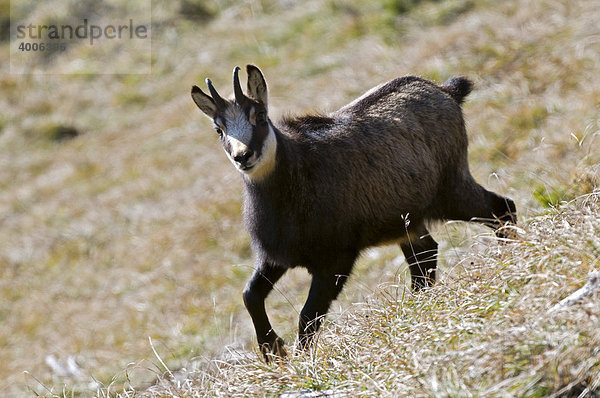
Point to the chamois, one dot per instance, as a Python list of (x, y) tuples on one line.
[(318, 189)]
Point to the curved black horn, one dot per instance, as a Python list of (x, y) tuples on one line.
[(220, 102), (237, 89)]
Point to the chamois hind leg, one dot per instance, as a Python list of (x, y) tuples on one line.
[(256, 291), (472, 202), (420, 251), (326, 285)]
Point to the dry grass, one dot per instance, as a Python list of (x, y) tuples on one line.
[(485, 331), (132, 230)]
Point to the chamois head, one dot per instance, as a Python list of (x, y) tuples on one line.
[(242, 123)]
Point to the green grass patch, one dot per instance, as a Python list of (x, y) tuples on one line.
[(53, 132)]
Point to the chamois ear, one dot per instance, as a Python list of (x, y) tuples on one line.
[(257, 86), (204, 102)]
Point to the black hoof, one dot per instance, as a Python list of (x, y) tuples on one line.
[(422, 282), (273, 350)]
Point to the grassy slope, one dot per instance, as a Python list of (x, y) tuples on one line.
[(131, 230), (487, 331)]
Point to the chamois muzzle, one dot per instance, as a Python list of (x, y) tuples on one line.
[(242, 159)]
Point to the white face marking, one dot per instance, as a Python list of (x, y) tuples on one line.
[(238, 125), (238, 135)]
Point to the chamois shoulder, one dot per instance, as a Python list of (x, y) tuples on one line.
[(317, 121), (308, 124)]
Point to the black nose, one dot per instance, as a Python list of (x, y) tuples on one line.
[(243, 157)]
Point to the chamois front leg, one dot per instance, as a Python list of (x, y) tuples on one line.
[(258, 288), (324, 288)]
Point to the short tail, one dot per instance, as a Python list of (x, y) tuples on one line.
[(458, 88)]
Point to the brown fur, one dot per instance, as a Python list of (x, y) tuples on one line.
[(374, 171)]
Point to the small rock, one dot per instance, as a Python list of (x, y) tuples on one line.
[(590, 288), (310, 394), (61, 369)]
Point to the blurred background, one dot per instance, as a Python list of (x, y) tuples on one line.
[(120, 217)]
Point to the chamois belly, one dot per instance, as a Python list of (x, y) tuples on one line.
[(317, 241)]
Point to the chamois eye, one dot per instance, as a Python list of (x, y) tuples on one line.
[(219, 130), (261, 117)]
